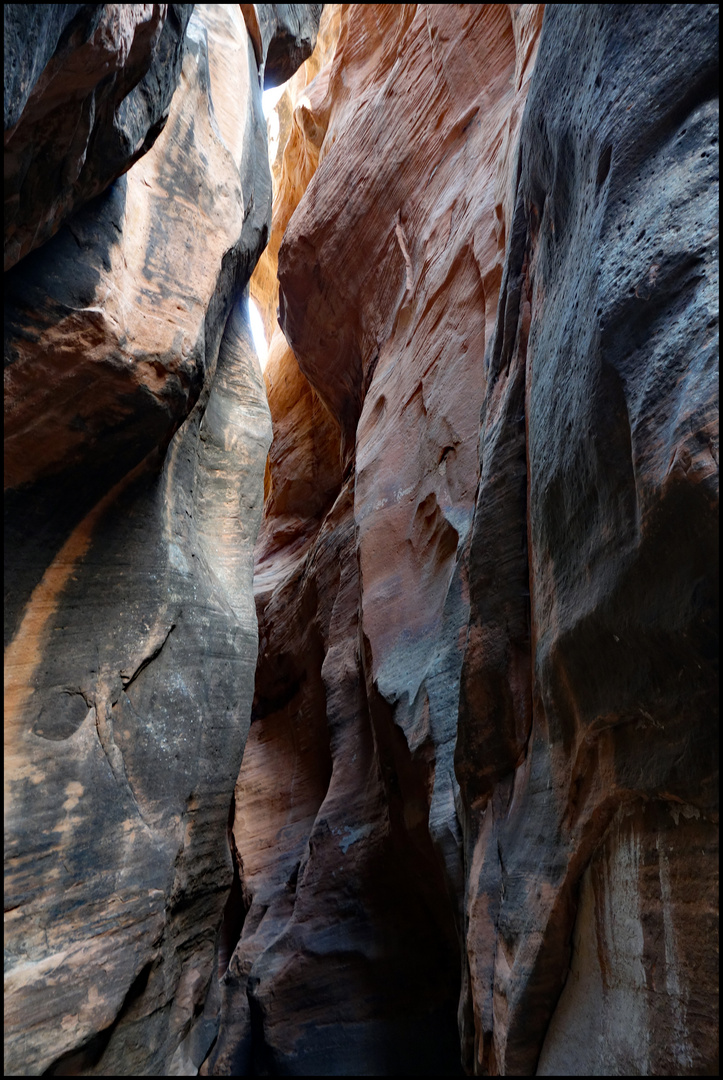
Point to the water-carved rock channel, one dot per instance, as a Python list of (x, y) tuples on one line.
[(361, 700)]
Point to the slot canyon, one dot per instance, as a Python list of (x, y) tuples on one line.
[(361, 690)]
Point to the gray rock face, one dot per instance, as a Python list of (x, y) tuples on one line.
[(31, 35), (87, 92), (284, 35), (587, 745), (131, 635)]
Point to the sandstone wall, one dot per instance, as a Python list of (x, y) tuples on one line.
[(87, 92), (482, 770), (136, 429), (347, 837), (599, 494)]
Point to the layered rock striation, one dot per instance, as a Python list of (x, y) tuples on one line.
[(483, 725), (137, 429), (347, 839)]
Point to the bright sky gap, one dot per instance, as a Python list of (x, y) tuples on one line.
[(270, 97)]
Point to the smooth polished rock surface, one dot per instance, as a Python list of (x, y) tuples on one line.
[(107, 329), (303, 474), (138, 430), (475, 827), (88, 89), (293, 155)]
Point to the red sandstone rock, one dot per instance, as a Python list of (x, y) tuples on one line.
[(303, 473), (478, 804), (294, 155), (351, 871)]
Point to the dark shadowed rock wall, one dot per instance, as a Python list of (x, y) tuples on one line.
[(283, 35), (587, 741), (87, 92), (486, 576)]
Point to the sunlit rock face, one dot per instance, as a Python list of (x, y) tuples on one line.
[(303, 472), (137, 429), (475, 825), (294, 156)]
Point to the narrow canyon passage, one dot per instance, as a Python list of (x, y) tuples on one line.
[(361, 696)]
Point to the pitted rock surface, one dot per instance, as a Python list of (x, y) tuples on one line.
[(513, 325)]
